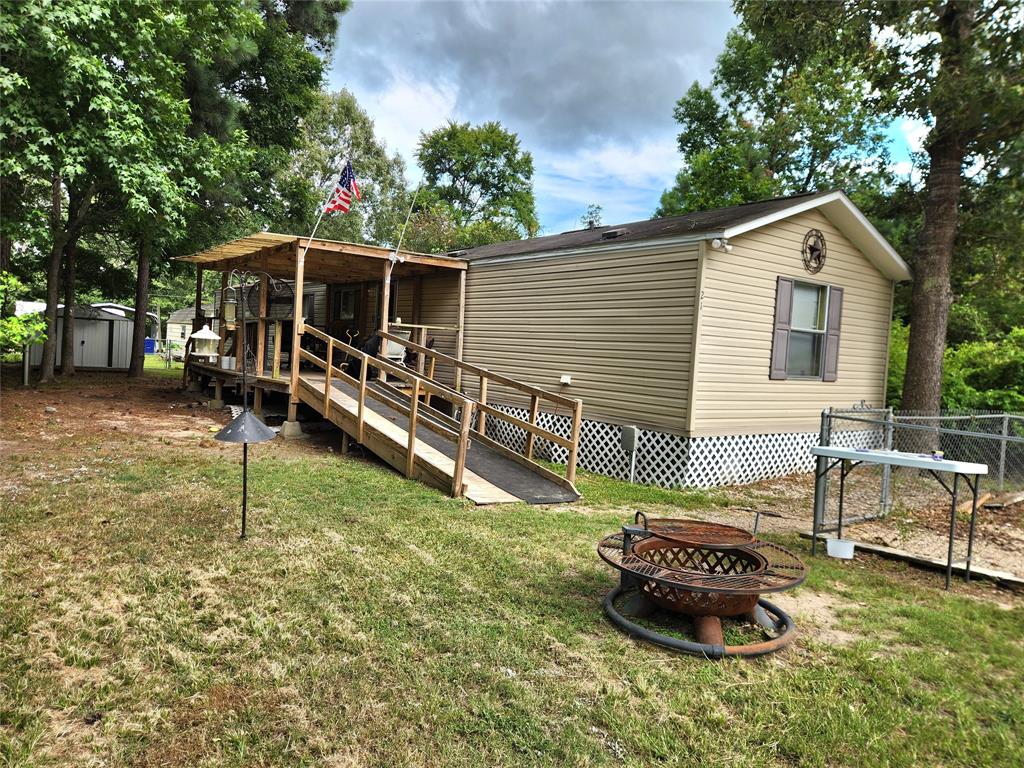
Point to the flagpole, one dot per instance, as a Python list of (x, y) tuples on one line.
[(408, 216), (323, 210)]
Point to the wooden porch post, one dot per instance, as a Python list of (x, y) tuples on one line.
[(459, 334), (197, 319), (297, 330), (221, 330), (261, 327), (385, 301)]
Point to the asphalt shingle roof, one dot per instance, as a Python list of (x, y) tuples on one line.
[(650, 229)]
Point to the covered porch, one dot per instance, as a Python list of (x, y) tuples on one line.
[(346, 290)]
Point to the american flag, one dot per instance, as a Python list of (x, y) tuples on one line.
[(341, 200)]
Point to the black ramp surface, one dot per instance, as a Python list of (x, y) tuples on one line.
[(499, 470)]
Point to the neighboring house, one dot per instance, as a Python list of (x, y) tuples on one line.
[(179, 327), (102, 340), (721, 334)]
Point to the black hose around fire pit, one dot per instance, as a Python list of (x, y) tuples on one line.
[(778, 621)]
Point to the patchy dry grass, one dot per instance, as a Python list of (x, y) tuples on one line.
[(371, 621)]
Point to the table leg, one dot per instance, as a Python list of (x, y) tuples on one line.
[(952, 530), (970, 531), (842, 493), (819, 501)]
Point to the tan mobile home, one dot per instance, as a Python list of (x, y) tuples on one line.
[(714, 338), (721, 334)]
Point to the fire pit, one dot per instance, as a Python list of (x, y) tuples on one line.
[(704, 571)]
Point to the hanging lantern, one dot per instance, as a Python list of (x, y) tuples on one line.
[(204, 343)]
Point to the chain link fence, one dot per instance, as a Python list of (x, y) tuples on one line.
[(984, 437)]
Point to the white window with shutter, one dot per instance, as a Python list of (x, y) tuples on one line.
[(805, 342)]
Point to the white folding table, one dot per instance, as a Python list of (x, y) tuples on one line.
[(848, 458)]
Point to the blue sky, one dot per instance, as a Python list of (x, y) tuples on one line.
[(588, 86)]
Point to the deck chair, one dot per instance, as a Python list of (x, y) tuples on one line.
[(395, 351)]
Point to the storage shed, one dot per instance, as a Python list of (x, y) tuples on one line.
[(721, 334), (102, 340)]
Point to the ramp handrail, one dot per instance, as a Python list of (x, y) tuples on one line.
[(536, 394), (412, 411)]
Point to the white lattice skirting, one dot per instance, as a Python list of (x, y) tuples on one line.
[(673, 461)]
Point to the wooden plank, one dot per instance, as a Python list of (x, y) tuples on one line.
[(460, 334), (959, 566), (1004, 500), (530, 428), (461, 448), (276, 371), (297, 321), (414, 406), (385, 303), (361, 405), (494, 377), (481, 426), (261, 326), (574, 438), (327, 374), (534, 413), (221, 331)]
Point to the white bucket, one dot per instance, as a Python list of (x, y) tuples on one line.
[(228, 363), (841, 548)]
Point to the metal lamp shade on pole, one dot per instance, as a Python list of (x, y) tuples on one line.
[(245, 428)]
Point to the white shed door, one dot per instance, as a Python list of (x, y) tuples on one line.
[(93, 345)]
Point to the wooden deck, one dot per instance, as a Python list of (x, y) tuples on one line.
[(281, 383)]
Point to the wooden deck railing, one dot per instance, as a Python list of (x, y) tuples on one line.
[(536, 395), (438, 422)]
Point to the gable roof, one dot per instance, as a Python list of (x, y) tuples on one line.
[(705, 225), (184, 316)]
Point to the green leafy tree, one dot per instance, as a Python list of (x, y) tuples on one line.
[(956, 65), (592, 218), (484, 177), (765, 128), (94, 106), (335, 130), (16, 330)]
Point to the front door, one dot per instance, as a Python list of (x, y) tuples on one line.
[(344, 317)]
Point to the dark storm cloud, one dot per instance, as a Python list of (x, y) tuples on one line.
[(563, 74)]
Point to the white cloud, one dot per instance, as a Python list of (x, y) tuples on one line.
[(405, 107), (914, 133)]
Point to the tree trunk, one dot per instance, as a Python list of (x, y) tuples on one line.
[(48, 365), (932, 296), (67, 341), (138, 360)]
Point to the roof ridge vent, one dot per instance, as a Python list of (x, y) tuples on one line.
[(611, 234)]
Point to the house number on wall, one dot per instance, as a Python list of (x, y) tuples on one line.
[(813, 251)]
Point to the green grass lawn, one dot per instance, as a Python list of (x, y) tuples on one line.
[(369, 620), (157, 365)]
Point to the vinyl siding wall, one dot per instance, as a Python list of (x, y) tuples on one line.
[(732, 392), (440, 306), (619, 323)]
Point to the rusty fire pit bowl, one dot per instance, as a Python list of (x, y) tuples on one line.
[(705, 571)]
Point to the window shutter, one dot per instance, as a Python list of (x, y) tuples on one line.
[(783, 319), (835, 320)]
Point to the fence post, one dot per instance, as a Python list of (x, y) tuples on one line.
[(821, 479), (1002, 450), (885, 503)]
